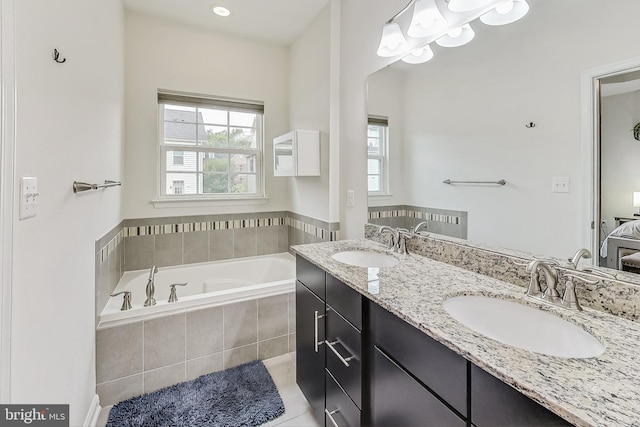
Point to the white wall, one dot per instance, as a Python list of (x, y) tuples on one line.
[(466, 120), (164, 55), (69, 127), (361, 24), (619, 156), (385, 98), (309, 109)]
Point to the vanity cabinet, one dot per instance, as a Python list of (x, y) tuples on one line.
[(328, 345), (297, 153), (361, 365)]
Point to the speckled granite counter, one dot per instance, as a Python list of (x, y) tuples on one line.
[(597, 392)]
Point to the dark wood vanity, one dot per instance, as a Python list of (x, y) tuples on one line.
[(360, 365)]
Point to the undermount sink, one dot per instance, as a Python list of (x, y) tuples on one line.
[(524, 327), (365, 259)]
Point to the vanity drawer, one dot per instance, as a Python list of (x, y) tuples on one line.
[(442, 370), (399, 400), (342, 411), (345, 301), (343, 353), (311, 276)]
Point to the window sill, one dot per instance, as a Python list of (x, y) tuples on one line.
[(203, 202), (380, 196)]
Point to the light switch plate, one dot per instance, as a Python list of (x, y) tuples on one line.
[(351, 198), (28, 197), (560, 184)]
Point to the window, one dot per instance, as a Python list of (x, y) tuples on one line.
[(178, 186), (377, 149), (210, 148), (178, 158)]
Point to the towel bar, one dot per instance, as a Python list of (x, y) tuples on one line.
[(501, 182), (83, 186)]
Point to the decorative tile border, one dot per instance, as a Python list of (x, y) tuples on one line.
[(326, 232), (411, 213)]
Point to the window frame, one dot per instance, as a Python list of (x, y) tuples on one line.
[(204, 101), (383, 157)]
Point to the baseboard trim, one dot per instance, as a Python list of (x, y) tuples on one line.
[(94, 412)]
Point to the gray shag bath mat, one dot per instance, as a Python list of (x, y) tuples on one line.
[(240, 396)]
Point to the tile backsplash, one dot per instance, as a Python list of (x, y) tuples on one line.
[(441, 221), (136, 244)]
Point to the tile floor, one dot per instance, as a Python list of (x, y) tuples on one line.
[(296, 409)]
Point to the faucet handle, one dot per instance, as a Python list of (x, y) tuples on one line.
[(173, 296), (570, 299), (126, 300)]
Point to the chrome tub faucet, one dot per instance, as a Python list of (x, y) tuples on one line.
[(151, 288)]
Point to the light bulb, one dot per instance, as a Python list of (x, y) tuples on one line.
[(505, 7), (427, 20), (457, 37), (455, 33)]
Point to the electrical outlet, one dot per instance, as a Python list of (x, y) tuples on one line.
[(560, 184)]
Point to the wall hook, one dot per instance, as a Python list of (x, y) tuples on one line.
[(56, 56), (530, 125)]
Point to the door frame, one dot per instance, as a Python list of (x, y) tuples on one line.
[(7, 181), (590, 124)]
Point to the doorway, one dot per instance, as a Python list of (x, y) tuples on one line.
[(611, 109)]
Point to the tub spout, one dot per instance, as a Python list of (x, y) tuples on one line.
[(151, 287)]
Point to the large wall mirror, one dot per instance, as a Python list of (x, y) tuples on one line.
[(507, 106)]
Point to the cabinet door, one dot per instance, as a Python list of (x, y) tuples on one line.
[(496, 404), (310, 357), (284, 155), (399, 400), (442, 370)]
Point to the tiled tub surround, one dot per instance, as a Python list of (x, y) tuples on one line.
[(145, 356), (618, 297), (593, 392), (140, 243), (440, 221)]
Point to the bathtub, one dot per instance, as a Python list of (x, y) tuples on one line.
[(209, 284)]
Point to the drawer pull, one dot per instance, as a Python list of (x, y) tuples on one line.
[(330, 415), (316, 343), (342, 359)]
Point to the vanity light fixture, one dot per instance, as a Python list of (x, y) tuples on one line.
[(427, 20), (457, 37), (506, 13), (419, 55), (221, 11)]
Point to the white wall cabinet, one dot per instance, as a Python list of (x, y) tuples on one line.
[(297, 153)]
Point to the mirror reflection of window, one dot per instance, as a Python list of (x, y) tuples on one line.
[(378, 154)]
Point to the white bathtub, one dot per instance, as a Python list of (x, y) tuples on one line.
[(209, 284)]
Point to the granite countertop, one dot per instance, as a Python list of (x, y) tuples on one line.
[(595, 392)]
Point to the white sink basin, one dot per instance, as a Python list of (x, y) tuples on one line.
[(365, 259), (523, 327)]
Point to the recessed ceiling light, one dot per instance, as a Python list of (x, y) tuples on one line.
[(221, 11)]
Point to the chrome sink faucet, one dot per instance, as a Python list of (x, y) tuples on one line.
[(550, 294), (397, 240), (581, 253), (151, 288), (418, 228)]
